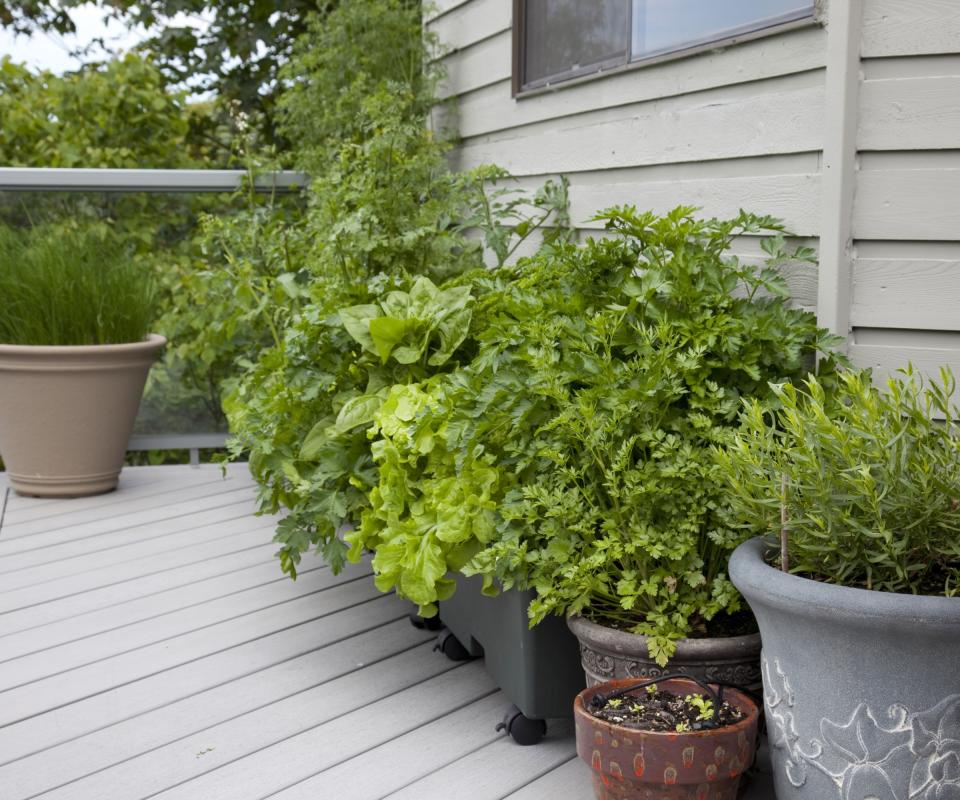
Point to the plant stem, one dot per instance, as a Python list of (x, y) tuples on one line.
[(784, 554)]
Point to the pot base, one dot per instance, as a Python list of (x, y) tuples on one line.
[(610, 789), (63, 486)]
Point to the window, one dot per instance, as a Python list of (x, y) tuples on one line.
[(556, 40)]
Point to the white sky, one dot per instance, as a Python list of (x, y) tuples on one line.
[(52, 51)]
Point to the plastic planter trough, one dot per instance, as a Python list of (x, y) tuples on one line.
[(538, 669)]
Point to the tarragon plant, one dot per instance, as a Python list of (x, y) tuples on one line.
[(869, 479)]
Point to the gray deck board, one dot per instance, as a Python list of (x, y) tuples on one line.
[(151, 648)]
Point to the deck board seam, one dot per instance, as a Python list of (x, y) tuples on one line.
[(292, 657), (108, 503), (176, 636), (148, 521), (197, 731), (122, 546), (128, 580), (537, 777), (453, 666), (385, 742), (137, 597), (147, 511), (150, 618), (222, 650)]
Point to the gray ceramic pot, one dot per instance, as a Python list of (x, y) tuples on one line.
[(862, 689), (609, 654)]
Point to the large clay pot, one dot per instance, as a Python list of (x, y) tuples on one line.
[(861, 688), (608, 653), (66, 414), (699, 765)]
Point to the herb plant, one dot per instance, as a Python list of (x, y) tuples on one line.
[(869, 480), (573, 455), (67, 288), (373, 287)]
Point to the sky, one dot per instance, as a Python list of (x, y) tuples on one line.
[(51, 51)]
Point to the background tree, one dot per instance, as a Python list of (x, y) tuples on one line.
[(234, 54)]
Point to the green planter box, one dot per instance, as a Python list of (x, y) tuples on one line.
[(538, 669)]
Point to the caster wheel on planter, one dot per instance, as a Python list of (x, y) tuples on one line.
[(522, 730), (450, 646), (425, 623)]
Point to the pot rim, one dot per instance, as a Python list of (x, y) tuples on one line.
[(594, 634), (744, 700), (754, 577), (153, 341)]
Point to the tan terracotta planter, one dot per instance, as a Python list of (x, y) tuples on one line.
[(66, 414)]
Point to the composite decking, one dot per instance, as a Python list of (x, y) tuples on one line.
[(150, 648)]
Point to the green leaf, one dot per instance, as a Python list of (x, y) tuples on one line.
[(356, 412), (357, 320), (386, 333)]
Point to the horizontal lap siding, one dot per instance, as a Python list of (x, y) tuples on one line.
[(723, 130), (742, 128), (905, 292)]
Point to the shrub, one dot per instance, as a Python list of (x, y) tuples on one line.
[(573, 454), (358, 295), (869, 479), (71, 288)]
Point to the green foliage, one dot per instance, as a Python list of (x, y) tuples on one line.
[(869, 480), (117, 114), (62, 288), (231, 295), (122, 114), (381, 264), (358, 51), (573, 453), (235, 55)]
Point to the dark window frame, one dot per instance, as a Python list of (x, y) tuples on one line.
[(574, 77)]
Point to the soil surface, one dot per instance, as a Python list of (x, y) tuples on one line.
[(653, 709), (721, 626)]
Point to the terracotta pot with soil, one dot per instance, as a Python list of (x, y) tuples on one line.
[(608, 653), (672, 740)]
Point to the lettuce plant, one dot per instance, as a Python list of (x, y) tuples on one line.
[(869, 480)]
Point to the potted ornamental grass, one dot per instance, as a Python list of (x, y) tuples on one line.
[(675, 738), (855, 582), (75, 350)]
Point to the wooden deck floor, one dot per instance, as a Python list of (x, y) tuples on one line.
[(150, 648)]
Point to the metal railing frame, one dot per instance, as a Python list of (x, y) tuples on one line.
[(55, 179)]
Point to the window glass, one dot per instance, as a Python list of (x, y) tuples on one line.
[(661, 26), (567, 37)]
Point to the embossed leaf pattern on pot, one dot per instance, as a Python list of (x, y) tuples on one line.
[(859, 742), (915, 756), (936, 743)]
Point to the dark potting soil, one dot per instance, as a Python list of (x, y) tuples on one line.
[(653, 709), (741, 623)]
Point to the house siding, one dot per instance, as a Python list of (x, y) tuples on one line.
[(743, 127), (905, 275)]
